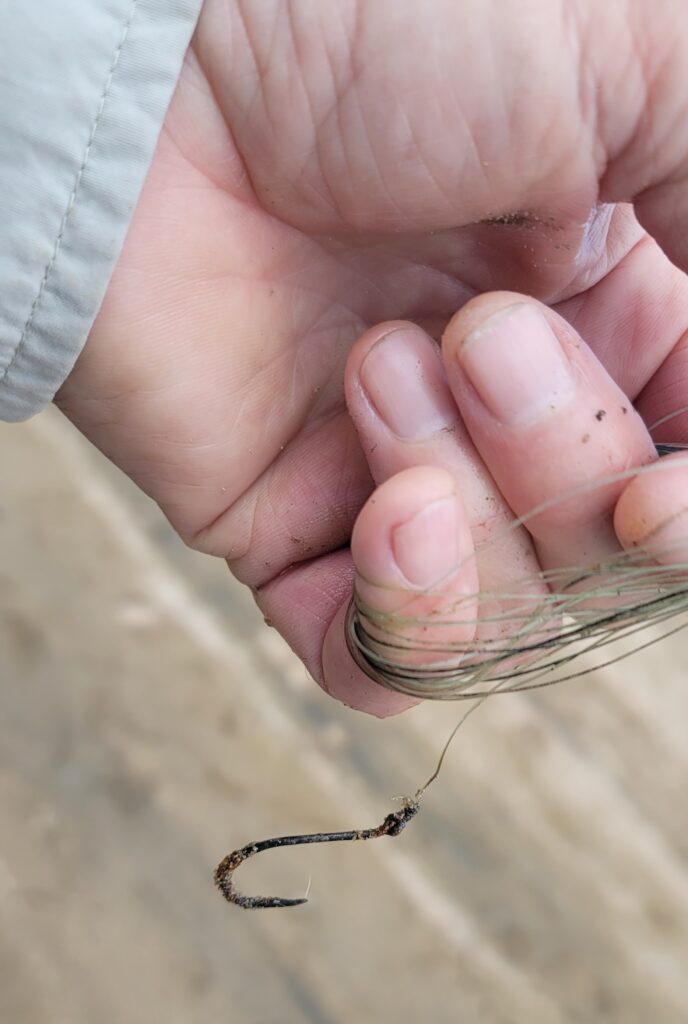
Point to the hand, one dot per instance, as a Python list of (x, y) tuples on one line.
[(323, 168)]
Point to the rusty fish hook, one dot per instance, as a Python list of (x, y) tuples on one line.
[(393, 824)]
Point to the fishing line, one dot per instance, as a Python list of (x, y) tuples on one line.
[(540, 635)]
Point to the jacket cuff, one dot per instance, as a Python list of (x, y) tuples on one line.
[(83, 92)]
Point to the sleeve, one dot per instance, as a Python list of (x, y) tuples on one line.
[(84, 86)]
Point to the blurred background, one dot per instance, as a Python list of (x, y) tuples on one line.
[(150, 722)]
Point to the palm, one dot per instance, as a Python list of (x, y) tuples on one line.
[(271, 233)]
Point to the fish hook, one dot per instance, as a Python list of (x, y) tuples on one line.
[(393, 824)]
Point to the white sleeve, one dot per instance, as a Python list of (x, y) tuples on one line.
[(84, 86)]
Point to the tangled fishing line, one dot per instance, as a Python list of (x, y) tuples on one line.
[(526, 637)]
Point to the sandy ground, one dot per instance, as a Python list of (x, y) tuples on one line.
[(150, 722)]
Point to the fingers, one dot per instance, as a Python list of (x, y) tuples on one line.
[(430, 475), (542, 424), (664, 402), (416, 575), (399, 399), (413, 553), (633, 317), (663, 212), (548, 421), (403, 409), (652, 512)]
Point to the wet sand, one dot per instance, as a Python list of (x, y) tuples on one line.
[(150, 722)]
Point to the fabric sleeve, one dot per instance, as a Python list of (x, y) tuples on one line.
[(84, 86)]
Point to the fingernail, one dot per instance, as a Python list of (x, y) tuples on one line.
[(426, 547), (517, 366), (403, 378)]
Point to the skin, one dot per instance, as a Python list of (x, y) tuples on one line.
[(326, 167)]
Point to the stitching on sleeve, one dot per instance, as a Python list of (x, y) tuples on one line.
[(75, 189)]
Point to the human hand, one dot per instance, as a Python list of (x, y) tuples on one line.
[(318, 174)]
